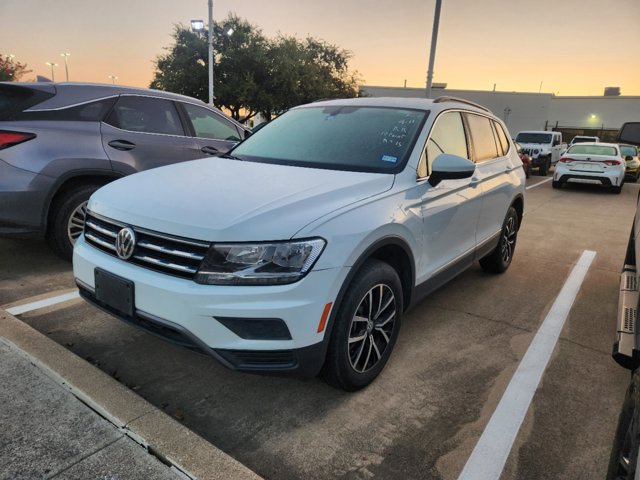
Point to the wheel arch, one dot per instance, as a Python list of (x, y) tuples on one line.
[(71, 181), (390, 249), (518, 204)]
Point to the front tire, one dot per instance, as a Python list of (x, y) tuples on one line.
[(544, 167), (499, 260), (67, 219), (366, 327), (556, 184)]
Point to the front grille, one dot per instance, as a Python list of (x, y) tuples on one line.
[(176, 256)]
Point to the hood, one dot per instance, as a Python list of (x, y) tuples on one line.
[(219, 199)]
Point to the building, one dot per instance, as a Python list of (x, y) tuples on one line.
[(601, 116)]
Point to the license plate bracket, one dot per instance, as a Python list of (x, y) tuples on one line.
[(114, 292)]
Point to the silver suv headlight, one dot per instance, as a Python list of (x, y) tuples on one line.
[(274, 263)]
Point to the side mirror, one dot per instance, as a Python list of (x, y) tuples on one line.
[(450, 167)]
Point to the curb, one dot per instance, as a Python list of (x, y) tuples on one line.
[(161, 435)]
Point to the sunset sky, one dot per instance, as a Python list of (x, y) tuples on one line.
[(574, 47)]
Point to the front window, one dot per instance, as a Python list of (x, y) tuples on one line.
[(592, 150), (207, 124), (534, 138), (365, 139)]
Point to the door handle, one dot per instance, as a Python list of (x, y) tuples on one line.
[(122, 145), (210, 150)]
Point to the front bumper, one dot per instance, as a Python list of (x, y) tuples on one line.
[(187, 313), (632, 172)]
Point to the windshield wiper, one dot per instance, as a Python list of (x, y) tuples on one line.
[(232, 157)]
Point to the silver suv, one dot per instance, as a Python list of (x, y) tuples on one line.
[(60, 142)]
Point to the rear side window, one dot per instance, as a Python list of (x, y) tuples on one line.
[(208, 124), (484, 144), (447, 136), (147, 115), (14, 100)]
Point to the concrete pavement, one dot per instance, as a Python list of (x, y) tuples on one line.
[(63, 418)]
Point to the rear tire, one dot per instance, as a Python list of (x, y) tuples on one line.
[(499, 260), (66, 220), (366, 327)]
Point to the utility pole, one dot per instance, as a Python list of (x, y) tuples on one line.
[(434, 40)]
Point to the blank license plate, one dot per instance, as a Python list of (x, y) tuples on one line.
[(587, 167), (114, 291)]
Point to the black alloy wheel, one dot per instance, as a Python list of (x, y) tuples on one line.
[(365, 328)]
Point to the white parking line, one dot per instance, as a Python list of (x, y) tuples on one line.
[(47, 302), (540, 183), (490, 454)]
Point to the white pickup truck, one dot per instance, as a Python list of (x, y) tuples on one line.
[(544, 148)]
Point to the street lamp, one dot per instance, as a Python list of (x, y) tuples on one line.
[(434, 40), (113, 78), (51, 64), (66, 67), (198, 26)]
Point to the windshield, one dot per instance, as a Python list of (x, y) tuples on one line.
[(593, 150), (628, 150), (365, 139), (533, 137)]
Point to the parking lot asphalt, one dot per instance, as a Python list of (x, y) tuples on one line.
[(455, 355)]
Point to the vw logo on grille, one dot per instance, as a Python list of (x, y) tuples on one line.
[(125, 243)]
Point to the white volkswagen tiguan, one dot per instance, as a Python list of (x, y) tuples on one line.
[(300, 250)]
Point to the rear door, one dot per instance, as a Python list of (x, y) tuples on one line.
[(213, 133), (145, 132), (493, 169)]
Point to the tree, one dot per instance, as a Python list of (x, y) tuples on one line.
[(253, 74), (183, 69), (10, 70), (306, 71)]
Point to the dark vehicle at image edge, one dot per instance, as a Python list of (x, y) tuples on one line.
[(60, 142), (626, 348)]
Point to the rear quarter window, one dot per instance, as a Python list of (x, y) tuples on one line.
[(14, 100), (87, 112)]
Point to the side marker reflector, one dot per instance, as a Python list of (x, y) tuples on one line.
[(323, 318)]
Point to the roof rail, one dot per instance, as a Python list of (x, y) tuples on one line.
[(460, 100)]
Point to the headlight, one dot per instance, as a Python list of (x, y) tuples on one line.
[(274, 263)]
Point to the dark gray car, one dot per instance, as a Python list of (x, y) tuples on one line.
[(59, 142)]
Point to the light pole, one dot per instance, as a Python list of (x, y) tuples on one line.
[(198, 26), (113, 78), (434, 40), (51, 64), (66, 66)]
